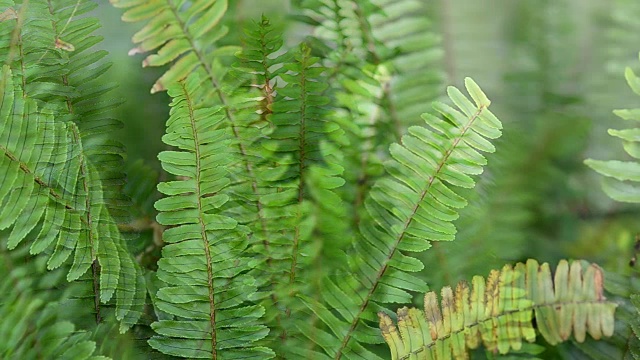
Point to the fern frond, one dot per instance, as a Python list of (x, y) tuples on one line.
[(204, 263), (621, 184), (31, 327), (186, 36), (50, 182), (342, 26), (383, 57), (58, 69), (179, 34), (300, 139), (622, 176), (408, 209), (499, 313), (396, 34), (299, 210), (415, 55)]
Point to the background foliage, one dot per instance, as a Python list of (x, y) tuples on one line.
[(554, 71)]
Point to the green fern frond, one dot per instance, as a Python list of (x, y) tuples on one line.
[(300, 141), (186, 36), (342, 27), (408, 210), (179, 34), (58, 69), (204, 261), (415, 55), (499, 313), (621, 184), (396, 34), (622, 176), (383, 57), (69, 80), (296, 178), (31, 327)]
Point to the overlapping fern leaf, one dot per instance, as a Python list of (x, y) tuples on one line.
[(183, 35), (299, 213), (204, 261), (304, 153), (383, 56), (499, 313), (622, 176), (414, 54), (32, 327), (412, 207), (48, 47)]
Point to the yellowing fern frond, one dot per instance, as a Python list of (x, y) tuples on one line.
[(498, 313)]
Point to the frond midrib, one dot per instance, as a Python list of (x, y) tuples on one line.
[(203, 231)]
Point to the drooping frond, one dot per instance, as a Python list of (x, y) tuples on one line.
[(52, 61), (415, 54), (204, 261), (31, 326), (51, 55), (622, 176), (412, 207), (499, 314), (183, 35)]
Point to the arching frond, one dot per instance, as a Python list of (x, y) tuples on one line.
[(57, 69), (499, 313), (408, 210), (204, 261), (183, 35)]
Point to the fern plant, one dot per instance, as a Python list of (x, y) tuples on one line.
[(299, 187)]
